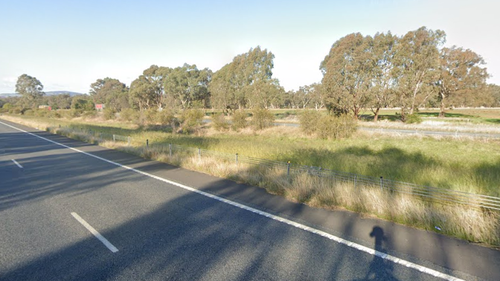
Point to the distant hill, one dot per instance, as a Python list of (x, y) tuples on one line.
[(50, 93)]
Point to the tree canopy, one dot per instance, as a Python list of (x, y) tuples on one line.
[(360, 72), (245, 82), (188, 85), (111, 92), (31, 90)]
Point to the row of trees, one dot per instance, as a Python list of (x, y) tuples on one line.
[(360, 72), (410, 71)]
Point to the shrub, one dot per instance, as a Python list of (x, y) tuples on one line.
[(309, 120), (333, 127), (7, 106), (262, 118), (165, 117), (129, 114), (191, 120), (108, 113), (150, 115), (239, 120), (82, 104), (219, 122), (29, 112), (54, 114), (413, 119), (16, 110)]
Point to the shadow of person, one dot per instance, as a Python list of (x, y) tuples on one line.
[(380, 269)]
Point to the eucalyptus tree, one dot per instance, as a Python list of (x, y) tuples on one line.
[(307, 96), (461, 75), (188, 85), (244, 81), (30, 89), (111, 92), (147, 91), (494, 93), (382, 91), (347, 74), (416, 68)]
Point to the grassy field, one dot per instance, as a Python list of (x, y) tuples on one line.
[(465, 165), (460, 164), (473, 115)]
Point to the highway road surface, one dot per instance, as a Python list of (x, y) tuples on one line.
[(75, 211)]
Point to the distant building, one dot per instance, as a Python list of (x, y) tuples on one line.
[(44, 106), (99, 106)]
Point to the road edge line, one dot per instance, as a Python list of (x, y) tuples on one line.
[(329, 236)]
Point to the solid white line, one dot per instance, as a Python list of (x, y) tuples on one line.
[(95, 233), (15, 162), (339, 240)]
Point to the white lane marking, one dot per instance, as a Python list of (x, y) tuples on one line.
[(95, 233), (15, 162), (339, 240)]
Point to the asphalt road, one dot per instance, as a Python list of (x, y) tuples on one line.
[(159, 222)]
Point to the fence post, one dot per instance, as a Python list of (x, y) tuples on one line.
[(128, 139), (355, 180), (170, 149), (288, 168), (147, 143), (114, 138), (381, 183), (199, 153), (236, 158)]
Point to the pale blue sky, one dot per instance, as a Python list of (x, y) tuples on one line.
[(69, 44)]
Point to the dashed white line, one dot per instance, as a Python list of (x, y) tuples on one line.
[(15, 162), (329, 236), (95, 233)]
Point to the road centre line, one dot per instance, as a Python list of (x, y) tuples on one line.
[(329, 236), (95, 233), (15, 162)]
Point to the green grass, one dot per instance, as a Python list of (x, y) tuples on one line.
[(466, 165)]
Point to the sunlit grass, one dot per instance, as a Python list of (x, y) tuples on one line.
[(460, 164)]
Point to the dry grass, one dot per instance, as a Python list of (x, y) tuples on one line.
[(459, 221), (455, 220)]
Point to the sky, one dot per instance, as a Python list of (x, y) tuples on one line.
[(69, 44)]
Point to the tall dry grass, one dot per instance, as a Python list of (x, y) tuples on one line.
[(459, 221)]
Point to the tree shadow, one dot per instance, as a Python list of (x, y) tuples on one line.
[(390, 162)]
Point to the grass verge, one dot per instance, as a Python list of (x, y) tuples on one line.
[(421, 159)]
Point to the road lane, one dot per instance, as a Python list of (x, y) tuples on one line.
[(166, 231)]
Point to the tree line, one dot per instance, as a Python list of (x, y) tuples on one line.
[(359, 73)]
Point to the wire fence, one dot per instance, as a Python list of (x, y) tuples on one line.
[(428, 193)]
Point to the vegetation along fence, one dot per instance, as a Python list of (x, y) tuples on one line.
[(428, 193)]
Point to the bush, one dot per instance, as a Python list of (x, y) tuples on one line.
[(219, 122), (239, 120), (16, 110), (108, 113), (7, 106), (54, 114), (191, 120), (413, 119), (129, 114), (262, 118), (167, 117), (29, 112), (333, 127), (309, 120), (150, 115)]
